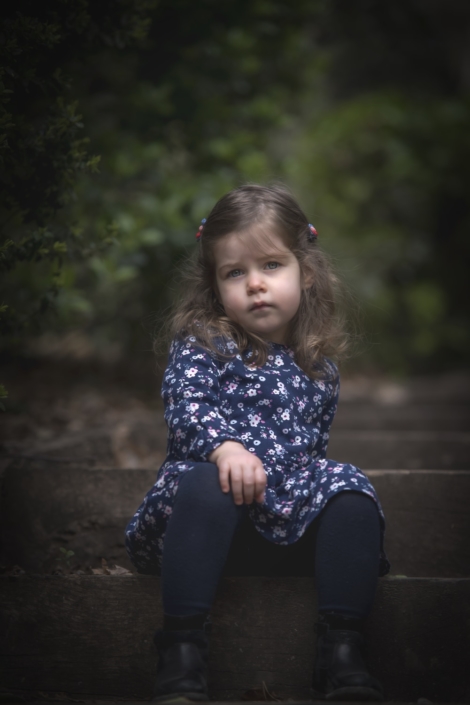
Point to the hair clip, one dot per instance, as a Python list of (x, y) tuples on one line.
[(312, 233), (200, 229)]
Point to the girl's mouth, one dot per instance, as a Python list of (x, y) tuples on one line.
[(260, 304)]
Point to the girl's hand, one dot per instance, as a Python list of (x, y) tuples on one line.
[(241, 470)]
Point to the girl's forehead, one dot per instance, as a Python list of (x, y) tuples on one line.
[(256, 241)]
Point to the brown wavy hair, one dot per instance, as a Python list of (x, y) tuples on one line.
[(316, 332)]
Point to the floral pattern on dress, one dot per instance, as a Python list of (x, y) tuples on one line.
[(277, 412)]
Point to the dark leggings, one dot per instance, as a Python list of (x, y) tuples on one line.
[(208, 533)]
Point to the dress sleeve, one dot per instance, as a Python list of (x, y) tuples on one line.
[(327, 416), (190, 392)]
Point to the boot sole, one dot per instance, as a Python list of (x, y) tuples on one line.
[(350, 694)]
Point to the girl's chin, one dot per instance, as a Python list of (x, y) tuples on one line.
[(270, 337)]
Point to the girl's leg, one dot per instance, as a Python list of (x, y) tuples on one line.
[(347, 555), (197, 542), (196, 545), (346, 568)]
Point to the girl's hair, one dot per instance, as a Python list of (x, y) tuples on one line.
[(316, 331)]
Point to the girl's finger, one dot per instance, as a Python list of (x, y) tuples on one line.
[(260, 484), (248, 485), (224, 472), (237, 485)]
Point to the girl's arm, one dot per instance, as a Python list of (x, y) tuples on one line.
[(198, 430), (328, 414), (191, 395)]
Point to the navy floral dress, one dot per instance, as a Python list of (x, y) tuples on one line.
[(277, 412)]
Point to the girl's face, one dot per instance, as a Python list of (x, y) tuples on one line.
[(258, 282)]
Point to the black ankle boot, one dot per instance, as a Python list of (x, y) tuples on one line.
[(182, 665), (340, 672)]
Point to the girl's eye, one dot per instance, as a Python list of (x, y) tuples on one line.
[(272, 265), (235, 273)]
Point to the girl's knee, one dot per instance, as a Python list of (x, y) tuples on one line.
[(353, 504), (200, 488)]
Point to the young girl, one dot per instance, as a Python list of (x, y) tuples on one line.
[(249, 397)]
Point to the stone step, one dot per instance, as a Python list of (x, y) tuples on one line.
[(91, 637), (368, 435), (449, 388), (362, 416), (427, 521), (407, 450), (45, 507)]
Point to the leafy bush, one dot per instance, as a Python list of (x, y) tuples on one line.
[(42, 148)]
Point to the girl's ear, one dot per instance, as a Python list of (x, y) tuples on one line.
[(308, 279)]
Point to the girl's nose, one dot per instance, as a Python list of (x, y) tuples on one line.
[(255, 283)]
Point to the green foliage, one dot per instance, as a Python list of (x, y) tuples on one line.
[(42, 150), (389, 175), (172, 142), (384, 157), (373, 140), (66, 555)]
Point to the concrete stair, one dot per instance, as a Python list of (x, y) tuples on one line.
[(46, 508), (90, 636)]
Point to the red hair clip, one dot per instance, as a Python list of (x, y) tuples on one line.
[(200, 229), (312, 235)]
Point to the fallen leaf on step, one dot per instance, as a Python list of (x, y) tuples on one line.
[(110, 570), (119, 570)]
